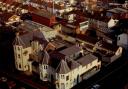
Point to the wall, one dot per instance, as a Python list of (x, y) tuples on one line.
[(117, 55), (26, 57), (122, 40), (18, 57), (89, 66)]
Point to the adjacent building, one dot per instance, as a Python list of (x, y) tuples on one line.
[(122, 40)]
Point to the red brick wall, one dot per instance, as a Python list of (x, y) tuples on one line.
[(41, 20)]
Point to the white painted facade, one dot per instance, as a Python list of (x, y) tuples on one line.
[(22, 58), (122, 40), (44, 72), (49, 34), (22, 54), (117, 55), (84, 25), (112, 23), (67, 80)]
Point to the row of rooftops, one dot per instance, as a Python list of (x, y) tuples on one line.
[(95, 15), (25, 37), (62, 65), (59, 5), (31, 25), (31, 9)]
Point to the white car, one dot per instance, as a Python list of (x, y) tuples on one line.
[(96, 86)]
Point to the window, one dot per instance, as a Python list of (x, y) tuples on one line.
[(62, 86), (18, 48), (19, 65), (18, 55), (67, 78), (66, 84), (46, 76), (25, 52), (62, 76), (41, 74), (118, 38), (45, 67)]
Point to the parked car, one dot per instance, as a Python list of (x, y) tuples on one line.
[(95, 86)]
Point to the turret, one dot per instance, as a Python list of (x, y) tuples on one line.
[(21, 53), (44, 67), (18, 48), (63, 75)]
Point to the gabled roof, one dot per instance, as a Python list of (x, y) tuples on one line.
[(18, 41), (62, 67)]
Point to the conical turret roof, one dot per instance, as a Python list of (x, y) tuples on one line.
[(46, 58), (62, 67), (18, 41)]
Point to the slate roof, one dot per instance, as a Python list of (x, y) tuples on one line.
[(30, 36), (87, 59), (108, 46), (18, 41), (46, 58), (73, 64), (71, 50), (62, 67)]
